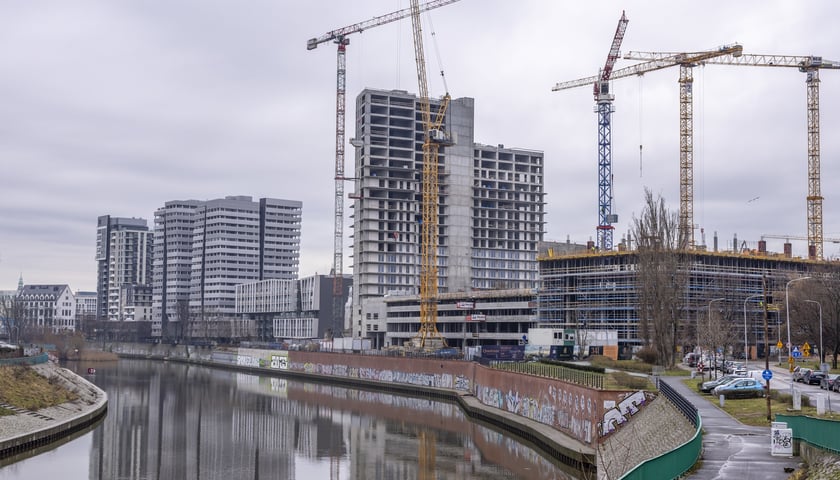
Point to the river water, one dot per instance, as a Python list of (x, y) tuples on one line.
[(175, 421)]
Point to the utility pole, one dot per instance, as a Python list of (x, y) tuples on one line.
[(766, 344)]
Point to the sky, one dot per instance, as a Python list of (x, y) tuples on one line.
[(114, 108)]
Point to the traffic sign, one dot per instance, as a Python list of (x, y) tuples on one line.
[(797, 354), (779, 345), (767, 375)]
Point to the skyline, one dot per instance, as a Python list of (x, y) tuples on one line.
[(114, 109)]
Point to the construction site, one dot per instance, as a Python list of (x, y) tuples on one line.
[(439, 219)]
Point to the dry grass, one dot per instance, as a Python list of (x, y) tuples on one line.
[(92, 356), (22, 387)]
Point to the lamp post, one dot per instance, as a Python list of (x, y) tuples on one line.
[(746, 345), (787, 312), (821, 329), (710, 337)]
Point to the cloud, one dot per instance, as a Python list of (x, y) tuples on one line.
[(115, 108)]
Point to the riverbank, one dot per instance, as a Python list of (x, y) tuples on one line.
[(25, 432), (551, 416)]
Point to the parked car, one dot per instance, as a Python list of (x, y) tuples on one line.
[(740, 388), (707, 387), (799, 374), (813, 377), (829, 381)]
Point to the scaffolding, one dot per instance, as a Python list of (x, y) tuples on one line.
[(602, 292)]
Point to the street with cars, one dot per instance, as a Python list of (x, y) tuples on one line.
[(739, 379)]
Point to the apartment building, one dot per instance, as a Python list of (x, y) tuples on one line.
[(205, 248), (48, 308), (124, 260), (491, 206)]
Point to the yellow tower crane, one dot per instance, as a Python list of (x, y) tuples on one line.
[(686, 62), (434, 136), (339, 37), (811, 66)]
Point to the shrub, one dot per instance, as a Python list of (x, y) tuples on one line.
[(648, 355), (633, 382)]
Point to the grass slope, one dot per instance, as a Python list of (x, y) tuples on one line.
[(22, 387)]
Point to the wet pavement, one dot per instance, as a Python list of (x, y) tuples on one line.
[(732, 450)]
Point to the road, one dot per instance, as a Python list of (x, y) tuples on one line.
[(782, 381)]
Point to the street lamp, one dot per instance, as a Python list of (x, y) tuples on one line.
[(714, 356), (821, 329), (746, 345), (787, 311)]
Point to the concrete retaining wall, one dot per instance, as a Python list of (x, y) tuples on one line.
[(65, 420)]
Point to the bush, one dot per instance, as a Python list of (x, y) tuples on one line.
[(648, 355), (632, 382)]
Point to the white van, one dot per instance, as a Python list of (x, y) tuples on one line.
[(756, 374)]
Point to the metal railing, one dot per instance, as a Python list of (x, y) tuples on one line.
[(684, 406), (34, 360), (571, 375)]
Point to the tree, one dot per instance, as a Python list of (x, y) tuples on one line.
[(14, 317), (182, 313), (661, 278), (824, 288)]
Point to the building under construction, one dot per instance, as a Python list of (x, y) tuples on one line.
[(491, 208), (600, 291)]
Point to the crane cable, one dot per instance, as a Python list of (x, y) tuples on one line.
[(641, 117), (437, 51)]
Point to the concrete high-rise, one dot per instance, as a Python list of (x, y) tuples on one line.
[(203, 249), (124, 260), (491, 205)]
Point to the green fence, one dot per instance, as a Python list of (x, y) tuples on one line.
[(571, 375), (818, 432), (42, 358), (672, 464)]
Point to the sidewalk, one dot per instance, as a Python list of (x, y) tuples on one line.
[(732, 450)]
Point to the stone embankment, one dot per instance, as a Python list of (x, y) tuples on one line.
[(27, 431)]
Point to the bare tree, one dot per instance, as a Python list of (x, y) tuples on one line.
[(15, 318), (661, 278), (823, 288), (182, 313)]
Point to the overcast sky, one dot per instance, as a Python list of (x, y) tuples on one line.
[(113, 108)]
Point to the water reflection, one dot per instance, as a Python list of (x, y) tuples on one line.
[(174, 421)]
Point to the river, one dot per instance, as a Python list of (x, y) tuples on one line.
[(169, 420)]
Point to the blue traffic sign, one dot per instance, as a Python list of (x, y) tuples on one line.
[(797, 354), (767, 374)]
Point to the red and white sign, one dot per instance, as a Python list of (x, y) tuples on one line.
[(476, 317)]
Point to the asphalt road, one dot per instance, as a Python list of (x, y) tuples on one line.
[(732, 450)]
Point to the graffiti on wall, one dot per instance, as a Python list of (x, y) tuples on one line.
[(280, 361), (557, 407), (437, 380), (248, 361), (616, 415)]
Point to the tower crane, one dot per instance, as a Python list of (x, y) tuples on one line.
[(433, 137), (604, 108), (686, 62), (811, 66), (339, 37)]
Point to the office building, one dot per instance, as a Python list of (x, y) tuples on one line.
[(290, 310), (491, 205), (203, 249)]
